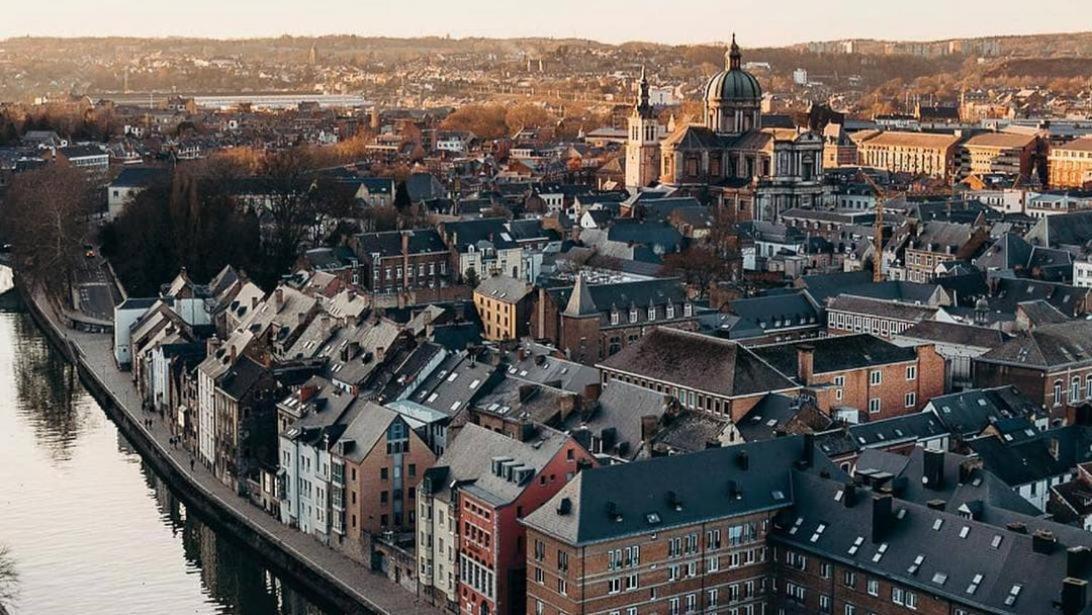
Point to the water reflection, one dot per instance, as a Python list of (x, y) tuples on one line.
[(45, 387), (91, 527)]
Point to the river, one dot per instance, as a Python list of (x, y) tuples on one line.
[(90, 527)]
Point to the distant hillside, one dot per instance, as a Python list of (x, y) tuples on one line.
[(1050, 68)]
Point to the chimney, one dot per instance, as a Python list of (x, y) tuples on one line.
[(307, 392), (805, 362), (1074, 595), (1016, 527), (649, 425), (232, 350), (212, 345), (380, 354), (1077, 560), (592, 391), (1043, 541), (937, 504), (521, 354), (1054, 447), (279, 297), (807, 454), (567, 404), (743, 460), (254, 302), (882, 516), (849, 495), (932, 476)]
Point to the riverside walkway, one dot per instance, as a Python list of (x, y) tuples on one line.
[(374, 593)]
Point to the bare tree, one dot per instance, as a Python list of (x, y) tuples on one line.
[(9, 580), (46, 222)]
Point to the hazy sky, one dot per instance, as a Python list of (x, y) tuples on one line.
[(757, 22)]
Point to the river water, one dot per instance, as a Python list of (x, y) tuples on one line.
[(90, 527)]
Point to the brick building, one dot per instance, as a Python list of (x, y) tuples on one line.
[(657, 537), (707, 374), (396, 261), (1051, 365), (592, 322), (709, 533), (471, 548), (878, 378), (380, 460)]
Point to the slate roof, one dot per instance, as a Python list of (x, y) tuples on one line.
[(470, 232), (1027, 461), (503, 288), (138, 177), (616, 420), (242, 377), (1040, 313), (883, 308), (366, 428), (468, 459), (772, 312), (905, 429), (952, 555), (836, 353), (622, 295), (970, 412), (1048, 346), (612, 502), (389, 243), (954, 333), (699, 362)]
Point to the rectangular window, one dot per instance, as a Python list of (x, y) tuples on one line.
[(874, 405), (875, 377), (911, 372), (911, 399)]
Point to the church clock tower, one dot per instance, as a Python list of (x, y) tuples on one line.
[(642, 142)]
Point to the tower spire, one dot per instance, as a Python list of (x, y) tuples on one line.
[(734, 56), (643, 107)]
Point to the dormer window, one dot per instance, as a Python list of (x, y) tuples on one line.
[(688, 309), (633, 315), (651, 313), (671, 314), (614, 317)]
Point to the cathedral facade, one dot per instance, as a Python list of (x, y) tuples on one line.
[(729, 158)]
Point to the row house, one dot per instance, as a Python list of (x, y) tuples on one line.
[(1000, 152), (935, 242), (485, 247), (710, 375), (471, 547), (862, 372)]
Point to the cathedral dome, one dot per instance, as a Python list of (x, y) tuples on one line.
[(733, 83)]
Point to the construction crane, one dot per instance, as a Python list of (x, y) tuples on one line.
[(877, 229)]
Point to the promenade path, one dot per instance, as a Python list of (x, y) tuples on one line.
[(370, 589)]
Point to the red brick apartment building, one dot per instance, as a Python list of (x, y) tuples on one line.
[(771, 527), (471, 547), (878, 378)]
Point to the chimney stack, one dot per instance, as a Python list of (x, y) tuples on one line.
[(649, 425), (1074, 595), (807, 454), (1077, 560), (882, 515), (805, 362), (1043, 541), (849, 495), (932, 476)]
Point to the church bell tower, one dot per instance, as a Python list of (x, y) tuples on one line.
[(642, 142)]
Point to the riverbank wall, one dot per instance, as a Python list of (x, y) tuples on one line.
[(317, 584)]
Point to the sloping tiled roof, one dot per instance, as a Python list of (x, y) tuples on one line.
[(699, 362)]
